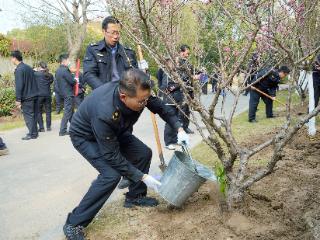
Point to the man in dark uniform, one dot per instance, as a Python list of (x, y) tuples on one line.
[(106, 60), (268, 84), (65, 82), (101, 132), (44, 80), (82, 90), (26, 94), (173, 98), (316, 81), (186, 72)]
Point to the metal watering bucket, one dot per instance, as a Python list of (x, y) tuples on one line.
[(182, 178)]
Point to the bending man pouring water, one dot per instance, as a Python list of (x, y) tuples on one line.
[(101, 132)]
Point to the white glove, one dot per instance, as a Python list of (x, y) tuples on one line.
[(183, 138), (151, 182), (143, 65)]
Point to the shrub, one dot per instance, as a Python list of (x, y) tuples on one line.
[(7, 101)]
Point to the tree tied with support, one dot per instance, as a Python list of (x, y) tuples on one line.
[(235, 29)]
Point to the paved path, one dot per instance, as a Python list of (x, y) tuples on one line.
[(42, 180)]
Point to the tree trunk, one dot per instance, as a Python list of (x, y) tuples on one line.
[(235, 196)]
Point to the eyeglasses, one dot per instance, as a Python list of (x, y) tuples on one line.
[(143, 102), (114, 33)]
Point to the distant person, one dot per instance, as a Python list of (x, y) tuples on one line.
[(268, 85), (66, 82), (3, 148), (173, 98), (26, 94), (44, 80), (316, 80)]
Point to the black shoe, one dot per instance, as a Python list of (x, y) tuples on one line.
[(189, 131), (124, 183), (140, 202), (49, 129), (28, 137), (273, 116), (253, 121), (73, 233), (41, 130), (63, 134)]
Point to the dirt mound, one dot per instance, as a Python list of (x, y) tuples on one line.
[(283, 206)]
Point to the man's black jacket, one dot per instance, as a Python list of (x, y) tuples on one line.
[(44, 80), (97, 63), (65, 81), (25, 81), (269, 82), (103, 118)]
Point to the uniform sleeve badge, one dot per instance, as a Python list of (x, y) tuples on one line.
[(115, 115)]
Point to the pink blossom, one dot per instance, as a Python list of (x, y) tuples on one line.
[(227, 49)]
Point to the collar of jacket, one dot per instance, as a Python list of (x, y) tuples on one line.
[(120, 50), (119, 104)]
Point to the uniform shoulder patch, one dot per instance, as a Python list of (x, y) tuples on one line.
[(116, 115), (93, 44)]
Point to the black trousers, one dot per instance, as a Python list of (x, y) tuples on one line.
[(170, 134), (67, 114), (44, 102), (254, 102), (30, 111), (78, 100), (100, 190), (59, 103), (316, 87), (185, 117)]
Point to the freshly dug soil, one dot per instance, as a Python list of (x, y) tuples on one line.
[(283, 206)]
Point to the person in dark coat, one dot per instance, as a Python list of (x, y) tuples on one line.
[(27, 92), (101, 132), (187, 74), (106, 60), (44, 80), (316, 80), (269, 85), (66, 84)]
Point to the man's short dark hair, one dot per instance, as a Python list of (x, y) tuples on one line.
[(43, 65), (63, 56), (17, 54), (132, 80), (184, 47), (108, 20), (284, 69)]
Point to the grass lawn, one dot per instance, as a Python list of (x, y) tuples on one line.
[(244, 130), (9, 123)]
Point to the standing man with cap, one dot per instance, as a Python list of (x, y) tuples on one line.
[(26, 94), (65, 81), (106, 60), (101, 132)]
